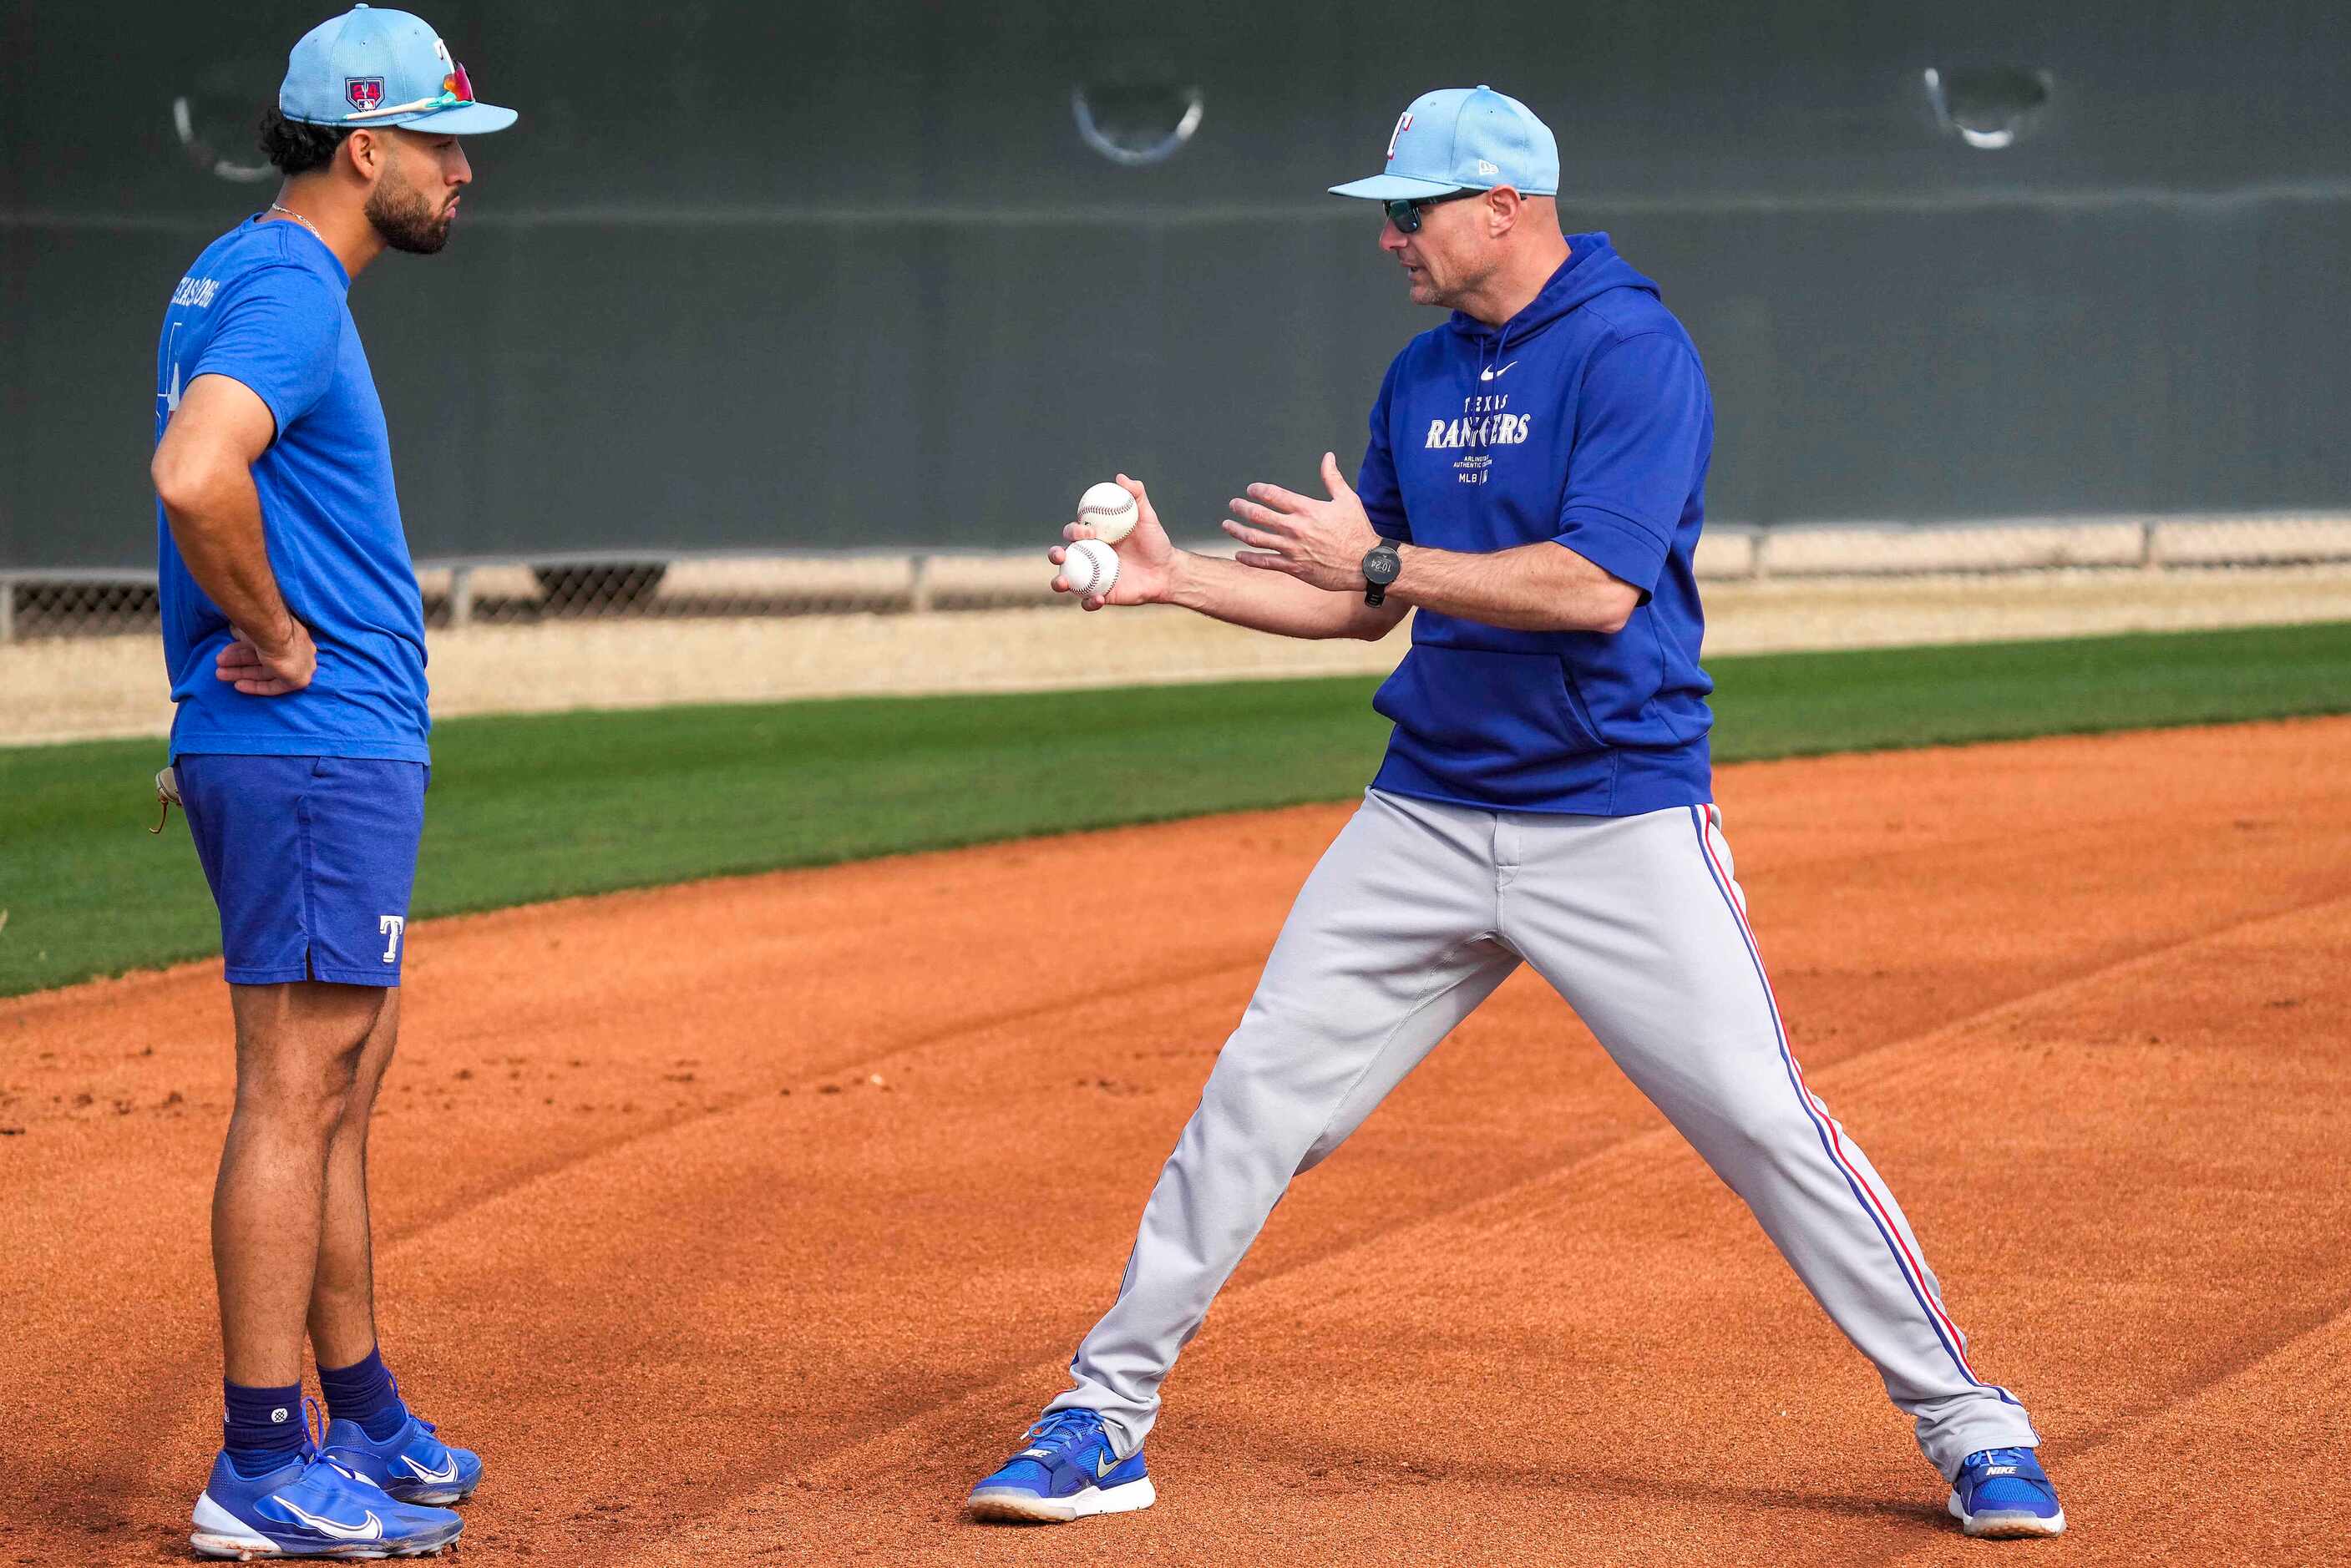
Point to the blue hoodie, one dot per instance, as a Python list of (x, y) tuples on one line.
[(1584, 419)]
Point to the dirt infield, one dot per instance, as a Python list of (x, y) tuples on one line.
[(748, 1221)]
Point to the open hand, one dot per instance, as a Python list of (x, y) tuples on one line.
[(268, 670), (1317, 542), (1146, 561)]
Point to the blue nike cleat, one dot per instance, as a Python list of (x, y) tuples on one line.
[(318, 1504), (2002, 1492), (1068, 1471), (413, 1464)]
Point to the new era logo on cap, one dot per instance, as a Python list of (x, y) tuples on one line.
[(1464, 139)]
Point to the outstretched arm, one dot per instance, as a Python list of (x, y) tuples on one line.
[(1151, 571), (1542, 586)]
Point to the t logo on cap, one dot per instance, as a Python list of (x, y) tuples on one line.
[(1458, 139)]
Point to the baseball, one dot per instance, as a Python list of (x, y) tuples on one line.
[(1109, 511), (1090, 566)]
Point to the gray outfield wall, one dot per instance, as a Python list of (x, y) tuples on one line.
[(755, 276)]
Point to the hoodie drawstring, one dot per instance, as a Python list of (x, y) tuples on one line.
[(1486, 371)]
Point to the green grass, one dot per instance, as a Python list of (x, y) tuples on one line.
[(541, 807)]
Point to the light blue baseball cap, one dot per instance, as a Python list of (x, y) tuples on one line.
[(1464, 139), (368, 67)]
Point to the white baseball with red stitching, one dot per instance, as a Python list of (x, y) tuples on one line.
[(1109, 511), (1091, 566)]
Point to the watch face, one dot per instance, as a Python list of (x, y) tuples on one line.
[(1382, 565)]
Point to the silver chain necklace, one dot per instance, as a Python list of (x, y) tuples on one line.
[(301, 220)]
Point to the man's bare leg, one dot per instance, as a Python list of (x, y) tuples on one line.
[(298, 1051), (359, 1388), (342, 1291)]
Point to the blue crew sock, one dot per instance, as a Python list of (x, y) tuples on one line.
[(365, 1392), (262, 1427)]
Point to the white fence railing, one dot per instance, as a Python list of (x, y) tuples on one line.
[(653, 581)]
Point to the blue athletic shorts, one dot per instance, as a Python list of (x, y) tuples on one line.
[(310, 861)]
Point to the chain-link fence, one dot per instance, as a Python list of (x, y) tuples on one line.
[(506, 593), (653, 584), (77, 604)]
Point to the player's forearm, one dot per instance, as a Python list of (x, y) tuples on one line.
[(216, 518), (1541, 587), (1227, 591)]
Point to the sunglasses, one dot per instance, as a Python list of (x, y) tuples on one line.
[(1406, 215), (456, 91)]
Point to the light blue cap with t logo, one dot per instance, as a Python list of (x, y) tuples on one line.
[(1464, 139), (368, 67)]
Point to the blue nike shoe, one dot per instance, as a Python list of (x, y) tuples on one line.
[(318, 1504), (413, 1465), (1068, 1471), (2004, 1492)]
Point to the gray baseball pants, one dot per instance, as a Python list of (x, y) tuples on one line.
[(1415, 913)]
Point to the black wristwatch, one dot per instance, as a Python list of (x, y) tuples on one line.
[(1380, 568)]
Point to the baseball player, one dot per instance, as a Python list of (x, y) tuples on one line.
[(295, 635), (1532, 487)]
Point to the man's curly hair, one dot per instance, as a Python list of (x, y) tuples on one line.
[(297, 147)]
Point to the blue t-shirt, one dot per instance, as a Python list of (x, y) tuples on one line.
[(1584, 419), (264, 305)]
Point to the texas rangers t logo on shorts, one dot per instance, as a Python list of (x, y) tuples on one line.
[(364, 92), (391, 925)]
